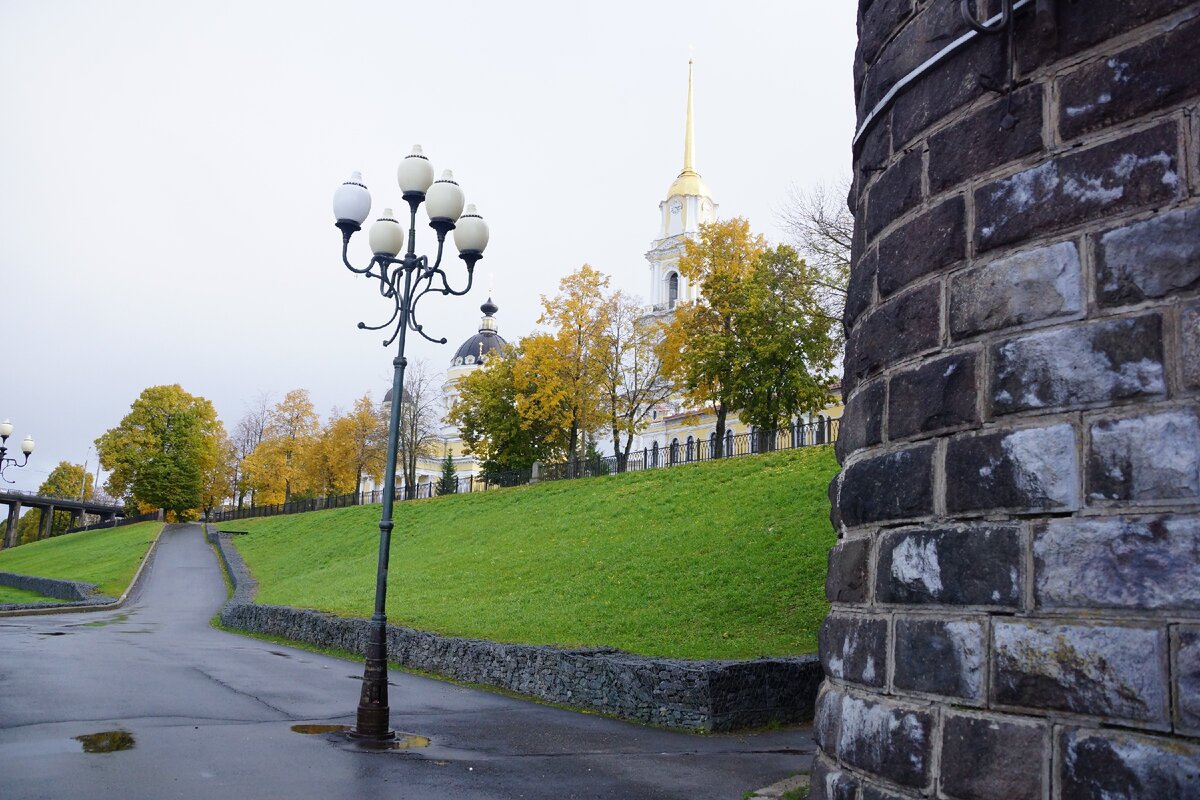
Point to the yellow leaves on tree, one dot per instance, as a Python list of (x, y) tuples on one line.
[(275, 468), (562, 369)]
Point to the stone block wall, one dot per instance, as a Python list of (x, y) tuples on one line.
[(676, 693), (1016, 587), (69, 591)]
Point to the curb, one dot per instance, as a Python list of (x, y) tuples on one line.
[(134, 585)]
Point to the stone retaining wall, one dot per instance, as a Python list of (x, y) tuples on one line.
[(695, 695), (73, 592)]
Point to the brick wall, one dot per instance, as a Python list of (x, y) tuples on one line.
[(1016, 589)]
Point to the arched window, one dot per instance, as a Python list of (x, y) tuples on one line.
[(673, 289), (690, 448), (712, 444), (654, 455), (675, 451), (728, 442), (753, 439)]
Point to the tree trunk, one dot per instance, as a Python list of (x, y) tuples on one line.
[(721, 414), (719, 451)]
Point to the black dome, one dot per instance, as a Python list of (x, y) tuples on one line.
[(482, 344), (477, 348)]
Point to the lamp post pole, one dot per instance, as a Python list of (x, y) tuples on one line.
[(403, 279), (6, 429)]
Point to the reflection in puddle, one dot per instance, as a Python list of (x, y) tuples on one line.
[(106, 741), (402, 741), (54, 633), (409, 742), (102, 622), (319, 728)]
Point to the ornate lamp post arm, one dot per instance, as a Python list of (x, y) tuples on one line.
[(6, 428), (404, 279)]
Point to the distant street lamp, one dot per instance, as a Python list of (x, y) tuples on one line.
[(404, 279), (6, 462)]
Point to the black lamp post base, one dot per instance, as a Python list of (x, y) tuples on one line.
[(374, 714), (387, 736)]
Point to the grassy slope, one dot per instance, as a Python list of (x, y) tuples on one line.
[(107, 558), (715, 560)]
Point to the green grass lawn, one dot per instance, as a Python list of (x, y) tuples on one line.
[(107, 558), (713, 560), (11, 595)]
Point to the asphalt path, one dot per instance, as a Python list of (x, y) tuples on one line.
[(210, 715)]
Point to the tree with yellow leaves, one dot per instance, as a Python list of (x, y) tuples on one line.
[(275, 469), (562, 370), (365, 441)]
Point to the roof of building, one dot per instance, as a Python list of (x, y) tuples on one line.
[(477, 348)]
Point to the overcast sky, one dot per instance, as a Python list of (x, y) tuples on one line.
[(166, 173)]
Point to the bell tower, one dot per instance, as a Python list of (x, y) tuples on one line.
[(687, 205)]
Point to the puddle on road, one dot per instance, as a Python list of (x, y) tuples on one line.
[(100, 623), (53, 633), (277, 653), (106, 741), (403, 741), (311, 729), (409, 742)]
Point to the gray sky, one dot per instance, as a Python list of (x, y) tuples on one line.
[(167, 171)]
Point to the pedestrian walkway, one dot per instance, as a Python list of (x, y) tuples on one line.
[(192, 712)]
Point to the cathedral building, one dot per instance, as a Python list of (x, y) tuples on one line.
[(676, 433)]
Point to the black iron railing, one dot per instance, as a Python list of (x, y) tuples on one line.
[(689, 450)]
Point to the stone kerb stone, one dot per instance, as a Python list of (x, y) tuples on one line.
[(1019, 512), (677, 693)]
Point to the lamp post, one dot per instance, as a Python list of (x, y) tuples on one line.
[(403, 279), (26, 448)]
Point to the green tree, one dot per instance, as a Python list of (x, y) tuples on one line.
[(785, 343), (700, 346), (164, 451), (448, 482), (488, 416)]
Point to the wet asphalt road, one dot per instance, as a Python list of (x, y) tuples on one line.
[(211, 716)]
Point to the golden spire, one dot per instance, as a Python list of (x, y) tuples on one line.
[(688, 182), (689, 147)]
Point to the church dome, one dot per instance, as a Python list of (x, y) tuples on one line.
[(482, 344), (688, 183)]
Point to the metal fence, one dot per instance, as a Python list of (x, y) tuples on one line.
[(690, 450), (118, 522)]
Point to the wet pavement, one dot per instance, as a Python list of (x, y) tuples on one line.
[(150, 701)]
